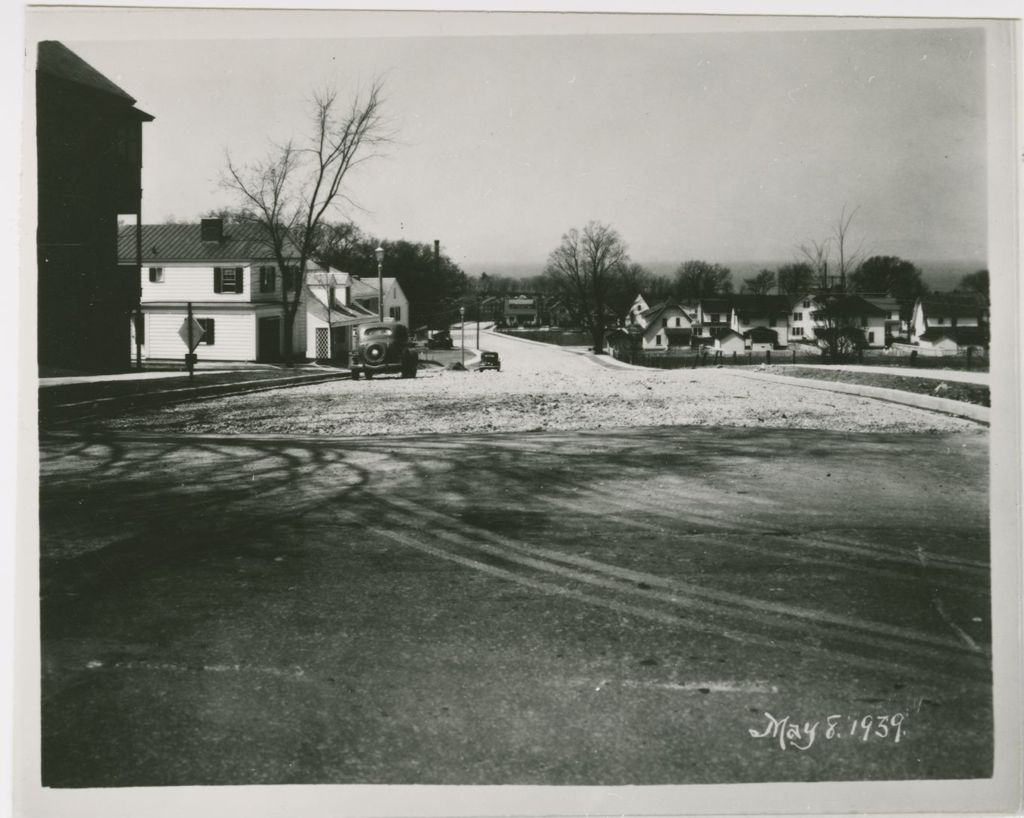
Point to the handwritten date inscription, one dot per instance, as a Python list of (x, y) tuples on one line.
[(790, 733)]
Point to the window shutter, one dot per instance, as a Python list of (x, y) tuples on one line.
[(216, 280), (238, 280)]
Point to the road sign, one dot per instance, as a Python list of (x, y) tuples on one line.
[(197, 333)]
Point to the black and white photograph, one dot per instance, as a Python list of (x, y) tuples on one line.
[(616, 408)]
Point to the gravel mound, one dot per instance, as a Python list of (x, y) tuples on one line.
[(540, 387)]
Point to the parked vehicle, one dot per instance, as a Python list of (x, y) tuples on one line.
[(442, 339), (382, 348), (490, 360)]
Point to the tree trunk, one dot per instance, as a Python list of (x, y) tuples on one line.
[(287, 345)]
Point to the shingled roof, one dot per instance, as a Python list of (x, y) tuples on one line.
[(184, 242)]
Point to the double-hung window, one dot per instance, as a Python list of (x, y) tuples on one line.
[(156, 275), (208, 330), (268, 279), (227, 279)]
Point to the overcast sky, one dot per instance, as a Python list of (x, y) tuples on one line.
[(721, 146)]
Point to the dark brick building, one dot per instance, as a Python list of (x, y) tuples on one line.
[(89, 149)]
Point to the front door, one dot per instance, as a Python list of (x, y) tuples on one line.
[(268, 341), (339, 345)]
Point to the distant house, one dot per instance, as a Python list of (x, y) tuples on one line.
[(766, 313), (366, 294), (522, 310), (761, 339), (636, 309), (665, 325), (898, 314), (952, 340), (816, 314), (725, 341), (228, 275), (941, 311), (714, 315), (89, 160), (803, 318)]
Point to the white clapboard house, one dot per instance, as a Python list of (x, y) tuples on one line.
[(234, 286)]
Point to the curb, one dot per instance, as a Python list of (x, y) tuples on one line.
[(968, 411)]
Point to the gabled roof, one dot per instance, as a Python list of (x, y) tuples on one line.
[(367, 287), (718, 304), (760, 306), (339, 313), (54, 59), (850, 306), (653, 309), (655, 312), (940, 305), (327, 278), (760, 335), (183, 242)]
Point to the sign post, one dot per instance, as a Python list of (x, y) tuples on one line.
[(191, 333)]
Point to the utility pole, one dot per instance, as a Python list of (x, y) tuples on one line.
[(478, 300), (139, 326), (190, 358), (379, 253), (462, 322)]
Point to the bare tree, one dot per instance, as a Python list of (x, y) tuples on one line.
[(816, 253), (584, 270), (761, 284), (288, 195), (796, 279), (701, 279), (849, 259)]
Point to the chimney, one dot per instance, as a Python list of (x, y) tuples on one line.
[(212, 230)]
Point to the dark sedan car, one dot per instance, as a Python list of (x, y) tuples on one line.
[(490, 360)]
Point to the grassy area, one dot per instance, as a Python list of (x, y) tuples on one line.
[(966, 392)]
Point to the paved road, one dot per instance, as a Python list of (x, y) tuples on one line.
[(552, 608)]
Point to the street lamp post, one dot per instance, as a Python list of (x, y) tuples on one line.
[(462, 322), (478, 299), (379, 252)]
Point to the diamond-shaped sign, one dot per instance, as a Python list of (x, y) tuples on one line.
[(197, 333)]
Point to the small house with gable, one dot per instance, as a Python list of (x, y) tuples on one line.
[(664, 326), (948, 312), (768, 314)]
